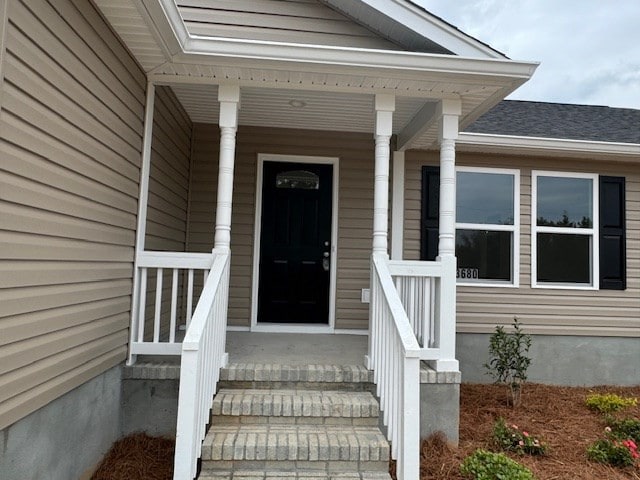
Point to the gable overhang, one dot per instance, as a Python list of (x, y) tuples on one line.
[(549, 147), (406, 20), (479, 82)]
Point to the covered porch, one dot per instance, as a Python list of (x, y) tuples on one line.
[(184, 302), (322, 141)]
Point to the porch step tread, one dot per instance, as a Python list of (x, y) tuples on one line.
[(290, 405), (294, 443), (275, 372), (297, 475)]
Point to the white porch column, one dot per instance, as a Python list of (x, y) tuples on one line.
[(385, 106), (450, 110), (141, 227), (229, 98)]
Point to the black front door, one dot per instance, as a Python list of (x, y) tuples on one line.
[(295, 243)]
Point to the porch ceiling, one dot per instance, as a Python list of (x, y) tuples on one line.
[(305, 109)]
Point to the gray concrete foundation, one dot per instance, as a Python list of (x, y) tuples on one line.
[(561, 360), (67, 437), (150, 406), (440, 404)]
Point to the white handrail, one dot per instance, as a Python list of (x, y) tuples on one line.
[(203, 355), (394, 357)]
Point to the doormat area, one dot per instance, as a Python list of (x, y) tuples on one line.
[(138, 457)]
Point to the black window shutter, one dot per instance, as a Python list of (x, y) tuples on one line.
[(429, 217), (613, 264)]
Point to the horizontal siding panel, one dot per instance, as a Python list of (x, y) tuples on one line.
[(105, 71), (33, 324), (42, 149), (297, 22), (25, 192), (21, 219), (21, 246), (16, 301), (53, 123), (24, 273), (23, 353)]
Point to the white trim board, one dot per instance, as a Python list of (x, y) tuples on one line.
[(294, 328)]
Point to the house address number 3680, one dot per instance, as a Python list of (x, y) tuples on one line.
[(467, 273)]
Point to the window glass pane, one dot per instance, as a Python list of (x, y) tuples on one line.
[(484, 198), (301, 179), (564, 258), (565, 202), (484, 255)]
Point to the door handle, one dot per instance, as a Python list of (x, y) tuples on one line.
[(325, 254)]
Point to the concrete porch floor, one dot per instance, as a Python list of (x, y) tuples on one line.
[(296, 348)]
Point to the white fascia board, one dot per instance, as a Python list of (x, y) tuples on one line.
[(355, 57), (436, 30), (549, 146)]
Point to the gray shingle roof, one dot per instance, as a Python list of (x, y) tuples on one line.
[(558, 120)]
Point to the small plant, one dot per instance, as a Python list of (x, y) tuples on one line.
[(626, 429), (609, 403), (613, 452), (484, 465), (508, 362), (512, 439)]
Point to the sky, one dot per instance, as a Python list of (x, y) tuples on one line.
[(589, 50)]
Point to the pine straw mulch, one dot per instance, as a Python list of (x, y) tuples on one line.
[(555, 415), (138, 457)]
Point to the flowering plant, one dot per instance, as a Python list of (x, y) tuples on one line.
[(613, 451), (511, 438)]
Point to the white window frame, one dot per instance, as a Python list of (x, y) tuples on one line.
[(515, 228), (593, 232)]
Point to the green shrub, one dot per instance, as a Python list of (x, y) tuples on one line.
[(624, 429), (609, 403), (484, 465), (512, 439), (611, 452), (508, 362)]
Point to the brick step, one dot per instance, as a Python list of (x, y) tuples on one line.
[(277, 475), (294, 448), (278, 376), (234, 406)]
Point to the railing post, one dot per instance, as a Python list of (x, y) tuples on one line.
[(409, 453)]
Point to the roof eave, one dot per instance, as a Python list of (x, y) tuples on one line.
[(538, 146)]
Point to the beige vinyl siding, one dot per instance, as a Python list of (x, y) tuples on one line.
[(300, 21), (169, 174), (355, 153), (71, 120), (543, 310)]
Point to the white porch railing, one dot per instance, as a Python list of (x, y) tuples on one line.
[(203, 355), (394, 357), (411, 320), (182, 269)]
